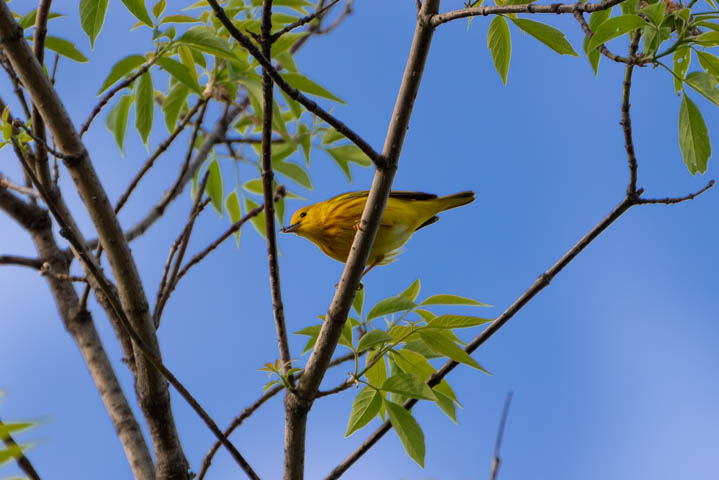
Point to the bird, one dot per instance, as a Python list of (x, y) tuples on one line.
[(332, 224)]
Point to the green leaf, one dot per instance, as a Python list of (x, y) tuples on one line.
[(681, 58), (179, 19), (214, 186), (613, 28), (64, 48), (350, 153), (144, 105), (358, 301), (456, 321), (446, 405), (92, 16), (446, 299), (331, 136), (705, 84), (372, 339), (440, 344), (708, 39), (629, 7), (293, 171), (232, 204), (116, 121), (693, 137), (137, 8), (390, 305), (304, 84), (365, 407), (120, 69), (377, 373), (408, 431), (655, 12), (254, 186), (205, 40), (180, 72), (346, 337), (173, 104), (546, 34), (499, 42), (709, 62), (412, 291), (14, 427), (258, 221), (408, 385), (595, 19), (158, 8), (28, 20), (412, 362)]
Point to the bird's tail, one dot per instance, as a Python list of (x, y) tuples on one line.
[(456, 200)]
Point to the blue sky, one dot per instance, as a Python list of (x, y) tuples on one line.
[(613, 366)]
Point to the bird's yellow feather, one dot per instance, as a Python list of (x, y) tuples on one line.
[(332, 224)]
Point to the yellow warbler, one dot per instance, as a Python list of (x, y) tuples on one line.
[(332, 224)]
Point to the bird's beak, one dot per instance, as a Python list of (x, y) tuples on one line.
[(291, 228)]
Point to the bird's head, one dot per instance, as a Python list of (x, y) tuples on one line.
[(304, 222)]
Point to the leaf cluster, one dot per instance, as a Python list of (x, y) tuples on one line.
[(398, 353)]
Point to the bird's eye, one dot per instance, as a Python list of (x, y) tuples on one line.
[(303, 214)]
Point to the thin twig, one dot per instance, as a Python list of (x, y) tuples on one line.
[(631, 60), (247, 412), (268, 177), (302, 21), (41, 141), (17, 86), (34, 263), (46, 270), (233, 228), (626, 121), (347, 11), (496, 459), (6, 183), (293, 93), (19, 456), (674, 200), (186, 174), (339, 388), (180, 245), (557, 8), (161, 148), (111, 93)]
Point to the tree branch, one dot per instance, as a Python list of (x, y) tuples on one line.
[(151, 387), (111, 93), (496, 459), (247, 412), (88, 261), (186, 174), (34, 263), (233, 228), (295, 94), (557, 8), (297, 405), (161, 148), (268, 178), (81, 327), (631, 60), (626, 121), (302, 21), (674, 200), (165, 289), (5, 183)]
